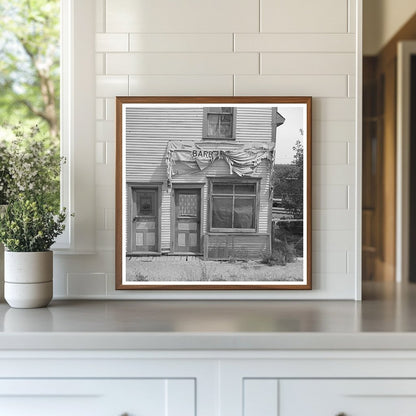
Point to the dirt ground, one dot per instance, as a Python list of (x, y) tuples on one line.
[(165, 268)]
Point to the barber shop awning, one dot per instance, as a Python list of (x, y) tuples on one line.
[(242, 159)]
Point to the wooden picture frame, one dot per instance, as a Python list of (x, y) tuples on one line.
[(198, 213)]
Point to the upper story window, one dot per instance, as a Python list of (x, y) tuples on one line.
[(219, 123)]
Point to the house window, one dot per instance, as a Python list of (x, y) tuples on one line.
[(219, 123), (233, 206)]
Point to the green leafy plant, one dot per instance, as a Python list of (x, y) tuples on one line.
[(29, 163), (29, 186), (30, 225), (5, 177)]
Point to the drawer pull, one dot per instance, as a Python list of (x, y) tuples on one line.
[(341, 414)]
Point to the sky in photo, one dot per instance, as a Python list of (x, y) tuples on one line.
[(288, 133)]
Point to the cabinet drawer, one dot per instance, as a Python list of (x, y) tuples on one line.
[(86, 397), (348, 397)]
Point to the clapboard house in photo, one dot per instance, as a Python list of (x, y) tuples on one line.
[(198, 180)]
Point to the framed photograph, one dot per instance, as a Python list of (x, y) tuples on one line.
[(213, 193)]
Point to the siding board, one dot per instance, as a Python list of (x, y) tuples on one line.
[(148, 132)]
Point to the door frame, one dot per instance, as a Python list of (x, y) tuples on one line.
[(193, 186), (404, 51), (157, 186)]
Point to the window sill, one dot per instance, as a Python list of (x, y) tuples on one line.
[(143, 253), (218, 139), (232, 231)]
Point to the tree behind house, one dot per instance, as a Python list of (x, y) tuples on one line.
[(29, 64), (30, 73), (288, 183)]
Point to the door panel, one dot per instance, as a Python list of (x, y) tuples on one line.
[(187, 220), (412, 190), (145, 220), (347, 397), (85, 397)]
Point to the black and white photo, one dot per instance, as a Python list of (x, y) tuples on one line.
[(213, 193)]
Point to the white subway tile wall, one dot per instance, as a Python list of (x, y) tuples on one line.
[(314, 85), (99, 63), (182, 63), (330, 153), (100, 156), (110, 109), (86, 284), (332, 220), (351, 86), (112, 42), (334, 109), (233, 47), (181, 42), (313, 42), (181, 85), (333, 175), (99, 109), (300, 16), (182, 16), (317, 63)]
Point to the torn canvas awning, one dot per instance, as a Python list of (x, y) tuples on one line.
[(242, 159)]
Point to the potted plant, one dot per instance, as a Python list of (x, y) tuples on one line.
[(4, 188), (28, 228), (32, 219)]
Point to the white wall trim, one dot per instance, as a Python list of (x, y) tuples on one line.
[(358, 154), (404, 50), (78, 125), (66, 84)]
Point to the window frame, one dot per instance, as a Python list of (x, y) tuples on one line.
[(218, 110), (235, 181), (77, 102)]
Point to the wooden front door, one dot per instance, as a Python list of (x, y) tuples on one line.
[(187, 221), (145, 220), (412, 174)]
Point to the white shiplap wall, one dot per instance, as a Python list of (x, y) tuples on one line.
[(233, 47)]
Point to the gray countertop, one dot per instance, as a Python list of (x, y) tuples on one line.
[(383, 320)]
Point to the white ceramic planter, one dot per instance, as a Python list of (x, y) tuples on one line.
[(28, 279), (2, 211), (1, 271)]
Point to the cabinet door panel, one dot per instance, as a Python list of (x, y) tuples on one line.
[(260, 397), (349, 397), (81, 397)]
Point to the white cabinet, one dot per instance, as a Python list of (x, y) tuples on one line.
[(207, 383), (112, 383), (348, 397), (319, 383), (330, 397), (114, 397)]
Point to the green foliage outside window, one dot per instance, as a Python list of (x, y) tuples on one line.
[(29, 84)]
